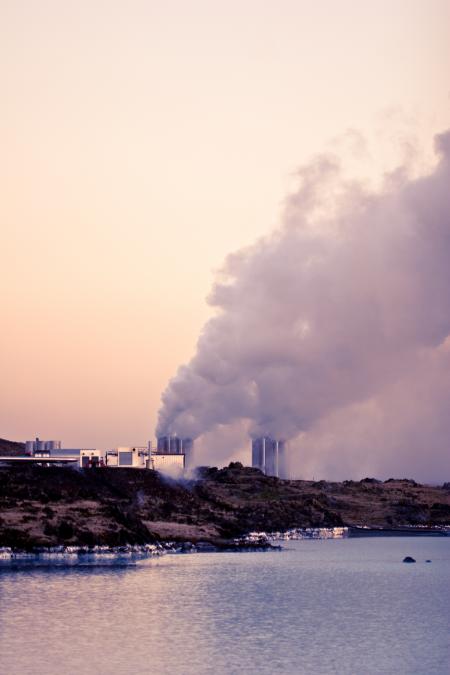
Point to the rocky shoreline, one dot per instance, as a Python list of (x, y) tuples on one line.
[(251, 542), (82, 554)]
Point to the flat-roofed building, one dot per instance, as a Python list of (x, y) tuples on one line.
[(134, 457), (91, 458), (167, 462)]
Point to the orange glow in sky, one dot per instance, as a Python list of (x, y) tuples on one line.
[(142, 142)]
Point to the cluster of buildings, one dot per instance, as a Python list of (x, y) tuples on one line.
[(35, 447), (172, 453)]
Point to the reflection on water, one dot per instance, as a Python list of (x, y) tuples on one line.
[(338, 606)]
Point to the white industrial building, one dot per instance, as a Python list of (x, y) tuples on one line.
[(162, 462), (126, 456), (131, 457), (92, 458), (39, 449)]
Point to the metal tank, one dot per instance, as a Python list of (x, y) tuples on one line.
[(268, 455), (29, 447), (53, 445), (175, 445)]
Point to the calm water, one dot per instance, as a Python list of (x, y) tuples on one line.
[(339, 606)]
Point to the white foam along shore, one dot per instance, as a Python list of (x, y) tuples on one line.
[(298, 533), (75, 554)]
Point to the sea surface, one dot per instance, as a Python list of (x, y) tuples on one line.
[(336, 606)]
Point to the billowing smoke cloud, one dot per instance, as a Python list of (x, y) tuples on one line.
[(334, 331)]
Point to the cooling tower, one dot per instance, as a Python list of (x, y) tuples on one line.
[(268, 455)]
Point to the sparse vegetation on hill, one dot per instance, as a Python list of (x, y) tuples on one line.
[(46, 506), (11, 448)]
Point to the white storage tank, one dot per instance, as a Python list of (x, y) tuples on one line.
[(53, 445), (29, 447)]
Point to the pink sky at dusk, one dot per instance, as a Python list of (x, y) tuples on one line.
[(142, 143)]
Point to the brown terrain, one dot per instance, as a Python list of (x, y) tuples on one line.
[(47, 506)]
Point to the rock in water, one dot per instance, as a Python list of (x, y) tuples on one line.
[(408, 559)]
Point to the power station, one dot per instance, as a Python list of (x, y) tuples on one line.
[(171, 452), (31, 447), (268, 455), (174, 445)]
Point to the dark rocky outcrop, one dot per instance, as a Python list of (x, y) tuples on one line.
[(11, 448), (47, 506)]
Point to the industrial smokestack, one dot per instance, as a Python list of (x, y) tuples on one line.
[(174, 445), (268, 455)]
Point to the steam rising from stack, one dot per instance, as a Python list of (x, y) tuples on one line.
[(334, 331), (173, 445)]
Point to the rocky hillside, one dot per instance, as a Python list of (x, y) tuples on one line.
[(11, 448), (45, 506)]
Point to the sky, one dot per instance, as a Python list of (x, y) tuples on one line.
[(142, 143)]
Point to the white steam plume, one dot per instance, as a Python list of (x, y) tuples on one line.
[(333, 330)]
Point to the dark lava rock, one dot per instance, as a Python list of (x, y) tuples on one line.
[(205, 547), (187, 547), (52, 506), (408, 559)]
